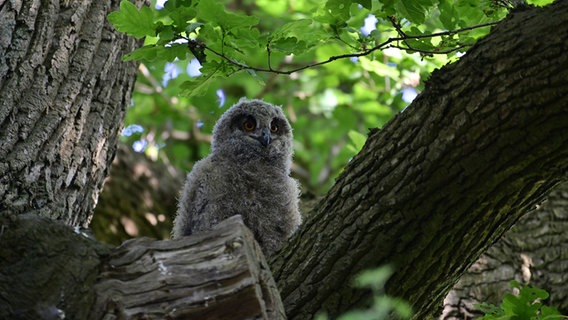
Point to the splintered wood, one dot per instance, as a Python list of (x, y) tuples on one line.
[(219, 274)]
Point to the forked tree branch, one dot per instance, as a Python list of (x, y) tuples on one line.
[(384, 45)]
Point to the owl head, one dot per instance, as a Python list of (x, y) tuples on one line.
[(253, 130)]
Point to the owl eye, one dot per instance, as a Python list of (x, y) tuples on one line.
[(273, 127), (249, 125)]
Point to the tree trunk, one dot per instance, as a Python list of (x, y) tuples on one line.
[(63, 92), (533, 252), (480, 147)]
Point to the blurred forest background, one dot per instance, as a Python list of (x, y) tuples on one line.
[(331, 107)]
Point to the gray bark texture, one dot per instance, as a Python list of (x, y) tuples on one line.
[(534, 252), (63, 93), (218, 274), (480, 147), (47, 269)]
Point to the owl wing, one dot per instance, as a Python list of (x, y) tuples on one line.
[(192, 207)]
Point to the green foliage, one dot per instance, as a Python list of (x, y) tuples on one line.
[(357, 141), (232, 41), (134, 22), (382, 306), (334, 78), (526, 305), (540, 3)]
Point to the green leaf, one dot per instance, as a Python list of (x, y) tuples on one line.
[(357, 315), (198, 86), (297, 36), (357, 140), (489, 309), (388, 8), (424, 44), (166, 34), (134, 22), (192, 27), (448, 14), (374, 278), (379, 68), (211, 35), (295, 29), (414, 10), (175, 50), (526, 305), (180, 12), (212, 11), (146, 53), (334, 12), (540, 3), (153, 53), (367, 4), (244, 38)]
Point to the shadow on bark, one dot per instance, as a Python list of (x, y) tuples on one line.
[(533, 252)]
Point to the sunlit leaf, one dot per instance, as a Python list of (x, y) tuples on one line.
[(193, 26), (212, 11), (357, 140), (180, 12), (152, 53), (134, 22), (448, 14), (374, 278), (198, 86), (414, 10), (379, 68)]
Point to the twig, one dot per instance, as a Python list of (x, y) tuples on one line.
[(268, 53), (382, 45), (398, 29), (431, 52)]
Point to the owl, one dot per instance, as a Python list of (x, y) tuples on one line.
[(246, 173)]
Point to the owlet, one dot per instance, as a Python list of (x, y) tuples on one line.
[(246, 173)]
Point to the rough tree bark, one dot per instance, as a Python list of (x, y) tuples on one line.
[(533, 252), (219, 274), (47, 271), (484, 143), (63, 93)]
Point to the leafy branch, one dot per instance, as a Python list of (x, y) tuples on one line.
[(384, 45), (202, 28), (527, 304)]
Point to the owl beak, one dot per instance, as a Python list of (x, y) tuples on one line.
[(264, 137)]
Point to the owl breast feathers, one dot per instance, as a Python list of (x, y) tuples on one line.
[(247, 173)]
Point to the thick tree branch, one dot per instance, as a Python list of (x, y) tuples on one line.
[(47, 271), (50, 272), (219, 274), (533, 252), (483, 144)]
